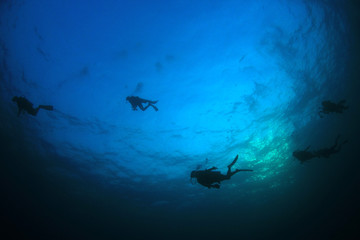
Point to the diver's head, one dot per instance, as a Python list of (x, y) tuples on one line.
[(15, 99), (127, 98)]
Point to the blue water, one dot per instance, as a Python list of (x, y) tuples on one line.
[(231, 78)]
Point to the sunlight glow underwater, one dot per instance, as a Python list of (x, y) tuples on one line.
[(229, 77)]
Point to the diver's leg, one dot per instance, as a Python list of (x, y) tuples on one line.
[(230, 174), (230, 165), (336, 141), (155, 108), (342, 102), (142, 107), (240, 170), (33, 111), (148, 101), (227, 176), (342, 105), (340, 145), (233, 162), (46, 107)]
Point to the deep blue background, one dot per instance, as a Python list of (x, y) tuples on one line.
[(231, 77)]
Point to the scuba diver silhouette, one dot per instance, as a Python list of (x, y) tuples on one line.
[(330, 107), (306, 155), (25, 105), (137, 102), (326, 152), (212, 179)]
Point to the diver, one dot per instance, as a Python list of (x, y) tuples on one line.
[(137, 102), (330, 107), (326, 152), (306, 155), (25, 105), (212, 179)]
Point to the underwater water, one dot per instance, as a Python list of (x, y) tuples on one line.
[(231, 77)]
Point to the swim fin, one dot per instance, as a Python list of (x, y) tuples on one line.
[(233, 162), (156, 109)]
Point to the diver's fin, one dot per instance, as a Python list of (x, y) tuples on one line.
[(156, 109), (233, 162)]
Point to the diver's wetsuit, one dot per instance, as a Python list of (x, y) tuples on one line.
[(326, 152), (137, 102), (330, 107), (212, 179), (25, 105), (306, 155)]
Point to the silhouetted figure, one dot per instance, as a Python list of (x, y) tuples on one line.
[(25, 105), (212, 179), (330, 107), (326, 152), (306, 155), (137, 102)]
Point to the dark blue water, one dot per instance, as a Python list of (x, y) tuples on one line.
[(231, 78)]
